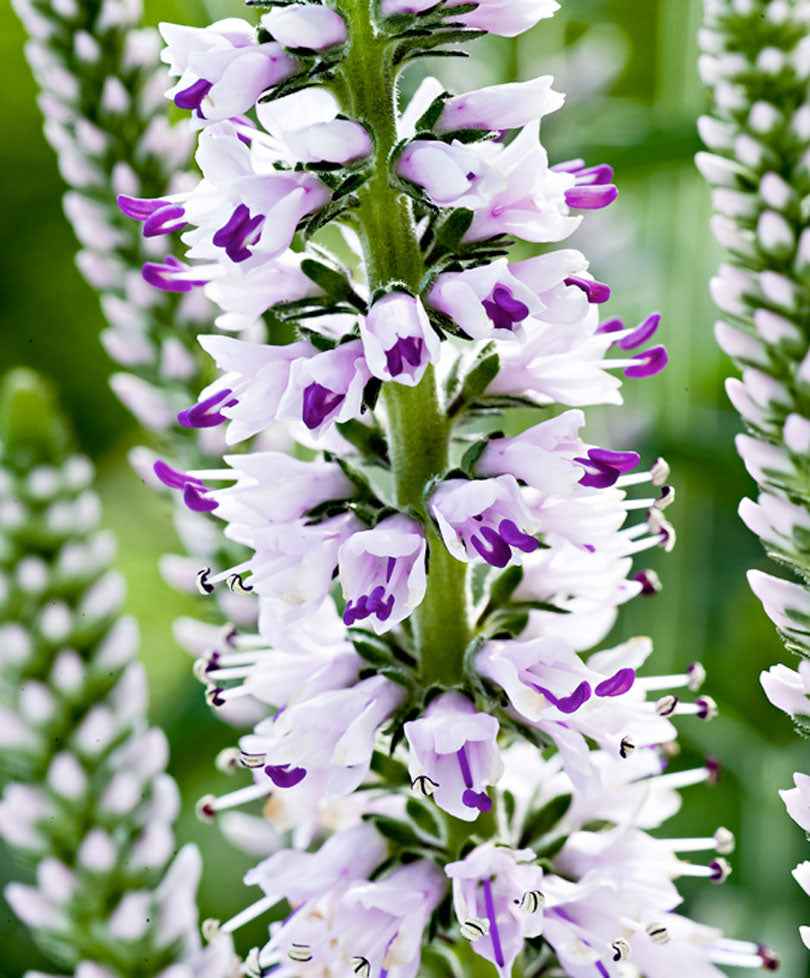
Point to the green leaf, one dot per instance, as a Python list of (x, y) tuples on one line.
[(453, 228), (392, 772), (400, 833), (369, 441), (504, 586), (371, 648), (541, 822), (480, 376), (423, 817)]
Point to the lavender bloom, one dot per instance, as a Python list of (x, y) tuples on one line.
[(788, 689), (221, 70), (326, 388), (506, 18), (304, 25), (501, 107), (322, 747), (398, 340), (454, 756), (256, 377), (483, 518), (498, 901), (383, 574)]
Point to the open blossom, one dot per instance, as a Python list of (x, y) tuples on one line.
[(484, 518), (788, 689), (254, 381), (511, 190), (797, 800), (369, 928), (500, 107), (304, 127), (324, 744), (507, 18), (221, 70), (305, 25), (398, 340), (781, 599), (245, 292), (326, 388), (498, 901), (500, 300), (454, 755), (383, 573), (297, 488)]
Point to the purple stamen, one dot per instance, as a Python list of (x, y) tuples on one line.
[(174, 478), (140, 208), (200, 415), (195, 500), (597, 292), (193, 489), (464, 764), (605, 467), (515, 537), (504, 309), (406, 350), (494, 935), (602, 970), (497, 553), (649, 581), (650, 362), (319, 403), (611, 326), (642, 333), (160, 276), (567, 704), (591, 197), (191, 97), (471, 798), (283, 777), (234, 235), (618, 684), (165, 220), (389, 569)]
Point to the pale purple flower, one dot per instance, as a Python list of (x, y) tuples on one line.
[(299, 876), (326, 388), (245, 293), (782, 600), (304, 127), (483, 518), (501, 107), (305, 25), (383, 573), (454, 755), (398, 340), (256, 377), (294, 563), (322, 747), (506, 18), (788, 689), (498, 901), (373, 928), (221, 70), (501, 300), (511, 190), (274, 487), (797, 800)]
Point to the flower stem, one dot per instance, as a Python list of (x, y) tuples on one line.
[(418, 427)]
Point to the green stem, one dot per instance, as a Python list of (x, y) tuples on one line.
[(418, 427)]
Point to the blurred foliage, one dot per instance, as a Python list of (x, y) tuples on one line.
[(633, 96)]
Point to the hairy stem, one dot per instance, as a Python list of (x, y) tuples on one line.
[(418, 427)]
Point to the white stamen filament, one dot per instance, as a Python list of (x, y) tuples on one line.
[(242, 796), (249, 913)]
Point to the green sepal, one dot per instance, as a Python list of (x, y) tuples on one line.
[(541, 822), (423, 817), (479, 377)]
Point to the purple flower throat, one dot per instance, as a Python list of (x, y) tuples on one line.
[(503, 309), (495, 546), (376, 602), (239, 231), (407, 349), (319, 403)]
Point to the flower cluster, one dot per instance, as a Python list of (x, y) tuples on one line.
[(756, 61), (86, 799), (102, 86), (436, 555)]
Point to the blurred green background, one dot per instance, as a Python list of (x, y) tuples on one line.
[(628, 67)]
